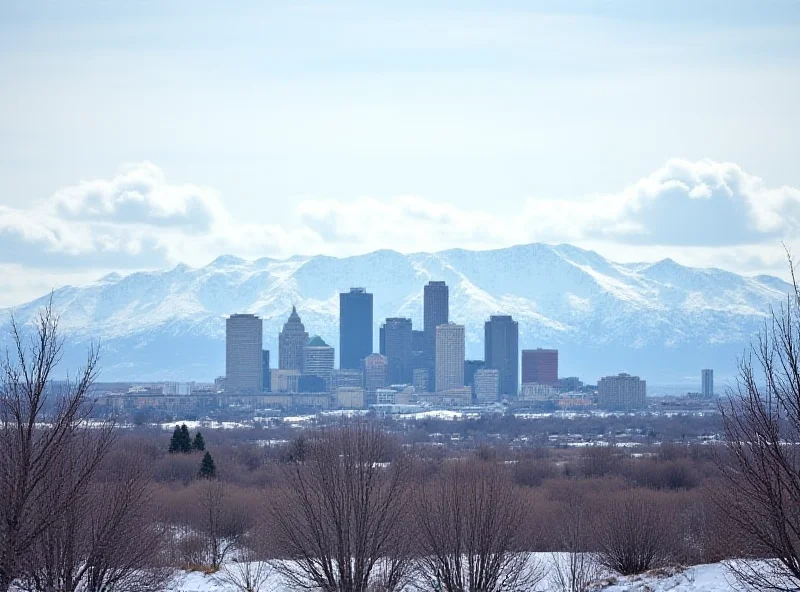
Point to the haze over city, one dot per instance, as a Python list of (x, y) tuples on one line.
[(141, 136)]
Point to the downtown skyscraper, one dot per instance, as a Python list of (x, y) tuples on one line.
[(540, 366), (244, 335), (501, 351), (291, 342), (436, 311), (398, 352), (450, 346), (355, 328)]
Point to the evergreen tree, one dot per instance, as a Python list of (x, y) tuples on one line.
[(185, 439), (199, 444), (175, 442), (207, 468)]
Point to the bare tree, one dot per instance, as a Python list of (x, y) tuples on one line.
[(761, 462), (633, 534), (574, 567), (219, 524), (340, 517), (40, 422), (106, 539), (470, 523)]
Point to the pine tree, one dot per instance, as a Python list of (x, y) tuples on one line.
[(175, 442), (185, 440), (199, 444), (207, 468)]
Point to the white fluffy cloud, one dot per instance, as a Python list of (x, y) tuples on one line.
[(706, 212)]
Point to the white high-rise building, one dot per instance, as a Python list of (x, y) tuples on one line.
[(707, 383), (244, 334), (318, 359), (486, 385), (450, 346), (621, 392)]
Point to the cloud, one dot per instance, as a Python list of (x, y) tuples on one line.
[(704, 211), (140, 194), (703, 203)]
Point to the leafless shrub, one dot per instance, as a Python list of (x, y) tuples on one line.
[(633, 533), (339, 520), (246, 574), (574, 567), (470, 526)]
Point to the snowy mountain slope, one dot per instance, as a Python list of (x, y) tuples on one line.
[(660, 320)]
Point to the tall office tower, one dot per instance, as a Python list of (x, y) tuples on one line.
[(487, 385), (417, 341), (382, 340), (450, 345), (266, 376), (355, 328), (470, 368), (397, 333), (540, 366), (376, 374), (418, 350), (318, 359), (501, 351), (244, 336), (291, 342), (621, 392), (708, 383), (436, 311)]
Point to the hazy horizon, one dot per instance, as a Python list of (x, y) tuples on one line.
[(141, 136)]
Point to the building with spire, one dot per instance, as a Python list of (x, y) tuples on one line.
[(291, 342)]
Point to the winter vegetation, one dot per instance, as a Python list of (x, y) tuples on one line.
[(88, 506)]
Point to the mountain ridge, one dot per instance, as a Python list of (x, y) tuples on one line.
[(660, 320)]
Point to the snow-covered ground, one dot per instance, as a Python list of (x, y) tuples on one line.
[(702, 578)]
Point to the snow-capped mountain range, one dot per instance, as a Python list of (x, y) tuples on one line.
[(660, 320)]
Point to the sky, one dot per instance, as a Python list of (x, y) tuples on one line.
[(142, 134)]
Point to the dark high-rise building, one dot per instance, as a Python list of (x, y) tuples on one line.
[(355, 328), (382, 340), (436, 311), (291, 342), (417, 341), (397, 333), (540, 366), (470, 368), (266, 376), (501, 351), (244, 335), (418, 361)]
